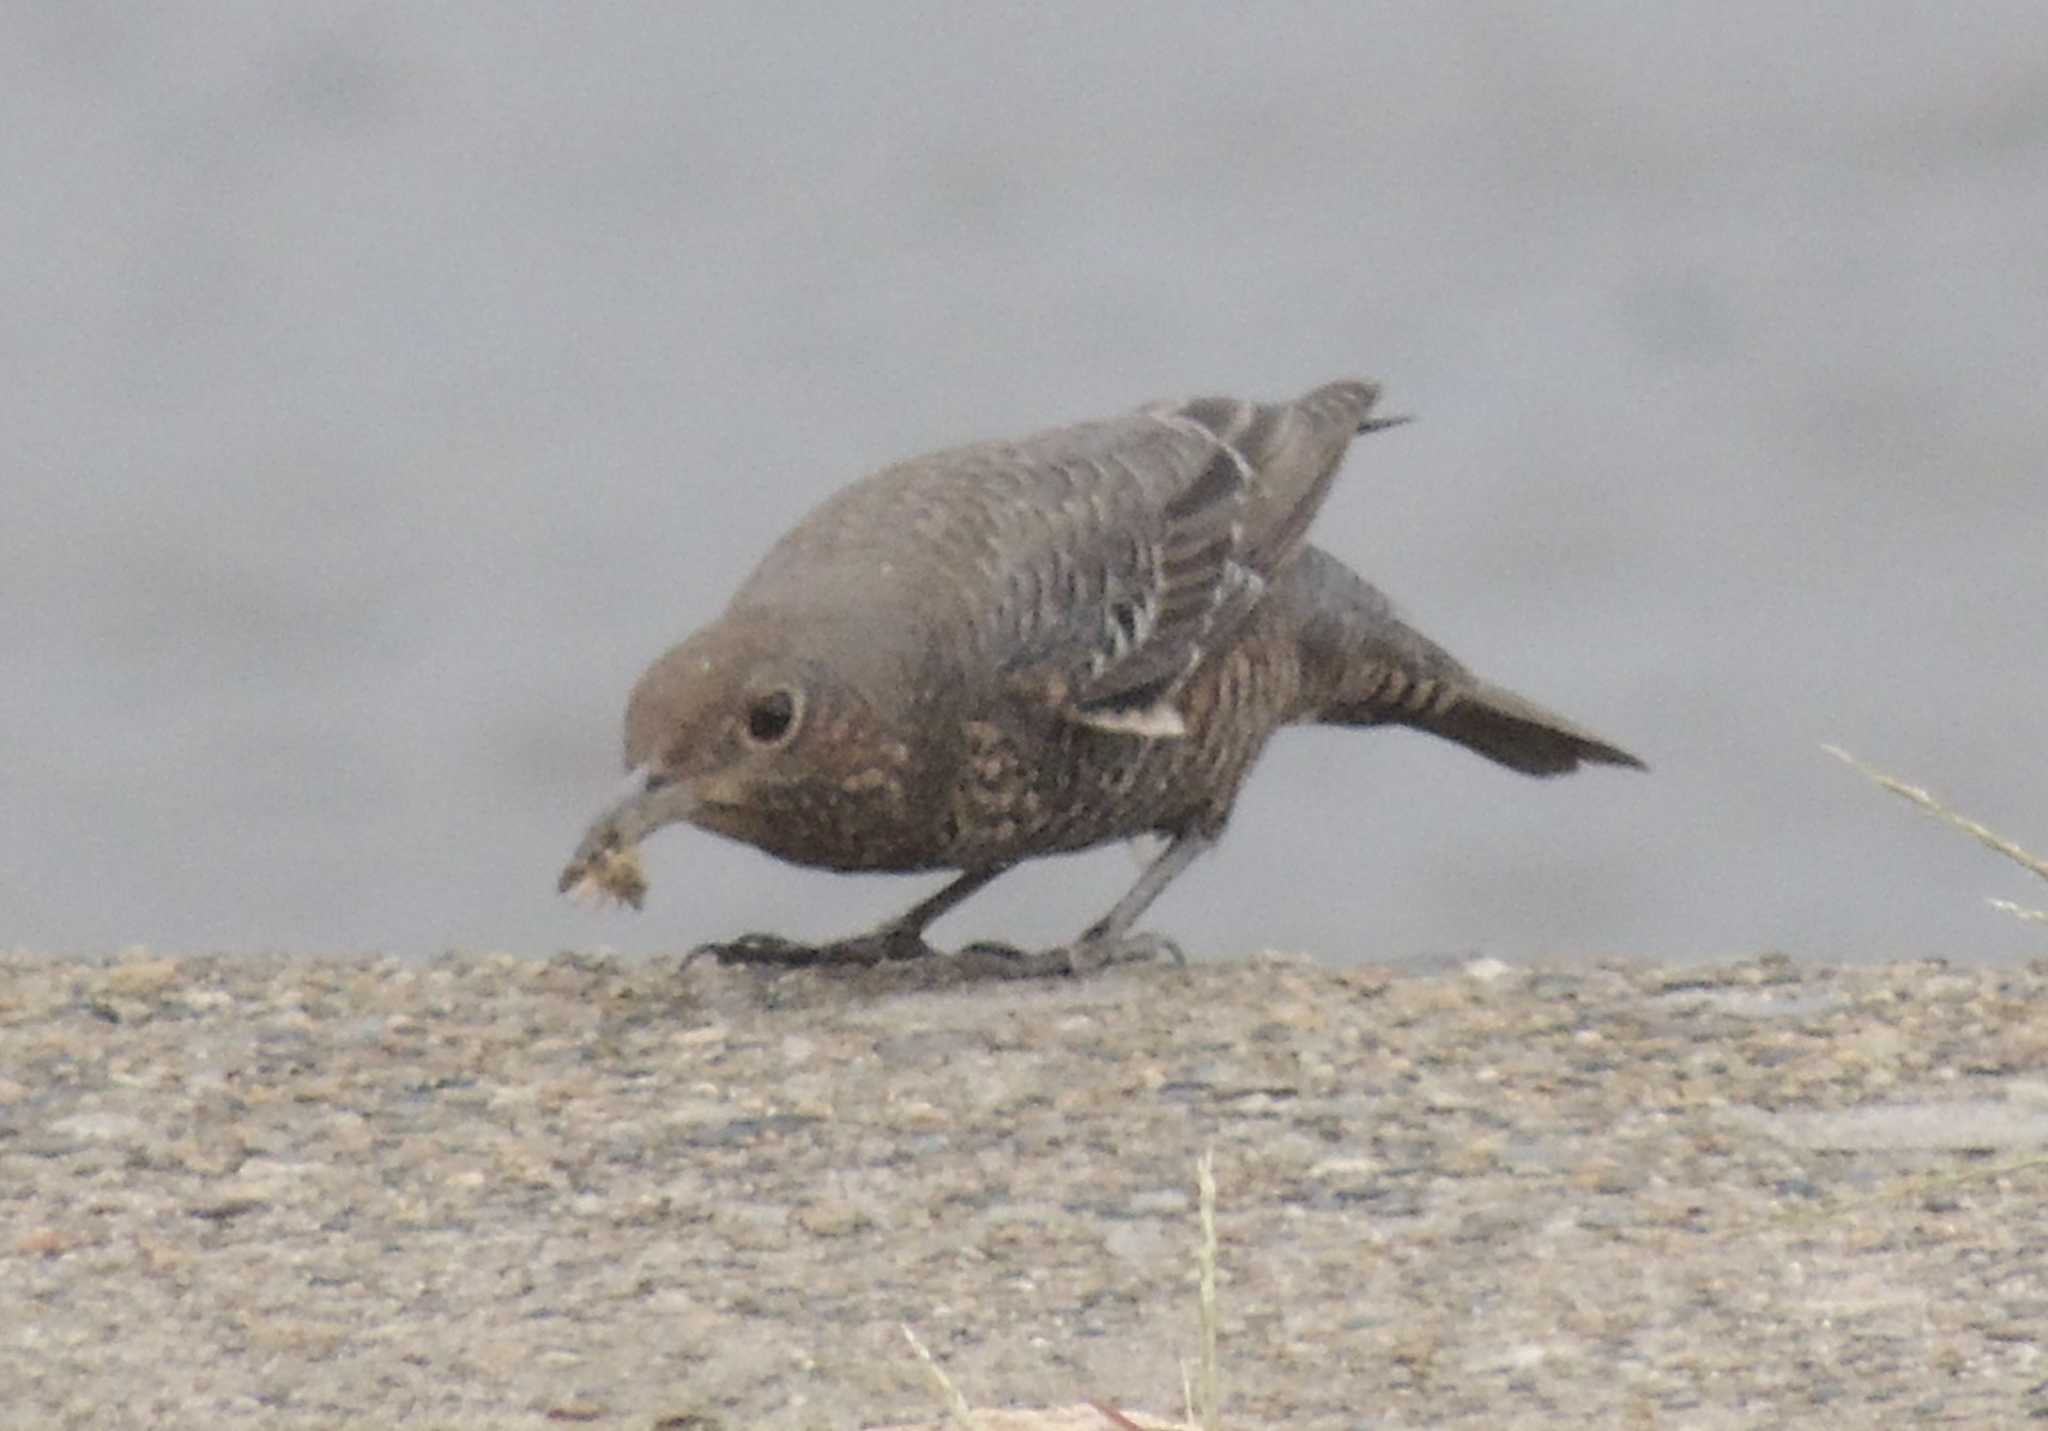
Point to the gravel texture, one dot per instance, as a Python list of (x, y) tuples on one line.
[(497, 1192)]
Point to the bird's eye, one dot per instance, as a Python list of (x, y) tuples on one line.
[(771, 717)]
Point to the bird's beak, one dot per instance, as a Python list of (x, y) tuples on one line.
[(603, 863)]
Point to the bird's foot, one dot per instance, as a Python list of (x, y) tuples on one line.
[(862, 951), (1092, 952), (1089, 954), (757, 949)]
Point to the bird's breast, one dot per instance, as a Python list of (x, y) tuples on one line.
[(1030, 781)]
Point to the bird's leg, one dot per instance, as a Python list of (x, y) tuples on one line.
[(900, 938), (1109, 939), (903, 936), (919, 917)]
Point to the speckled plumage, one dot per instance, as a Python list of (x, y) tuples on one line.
[(1017, 648)]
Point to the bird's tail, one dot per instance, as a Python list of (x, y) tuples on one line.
[(1369, 667), (1509, 729)]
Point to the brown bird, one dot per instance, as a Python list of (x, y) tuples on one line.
[(1014, 649)]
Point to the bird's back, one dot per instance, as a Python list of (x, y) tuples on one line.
[(1099, 563)]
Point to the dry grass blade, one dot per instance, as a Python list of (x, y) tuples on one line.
[(1983, 834), (957, 1409), (2020, 911), (1210, 1418)]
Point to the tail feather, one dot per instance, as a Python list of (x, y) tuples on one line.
[(1369, 667), (1509, 729)]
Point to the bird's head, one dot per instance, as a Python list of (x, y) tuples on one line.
[(740, 731)]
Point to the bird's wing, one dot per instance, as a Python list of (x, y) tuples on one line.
[(1162, 532)]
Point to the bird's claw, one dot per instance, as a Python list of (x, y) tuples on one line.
[(1091, 953), (1086, 955), (755, 949), (773, 951)]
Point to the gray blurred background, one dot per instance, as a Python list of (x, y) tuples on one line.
[(385, 385)]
